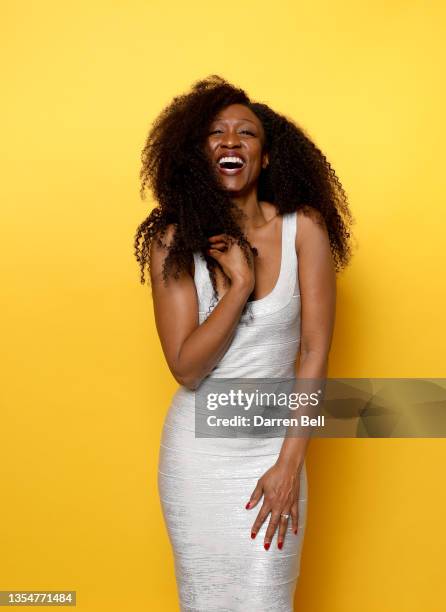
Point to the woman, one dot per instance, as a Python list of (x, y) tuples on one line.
[(250, 228)]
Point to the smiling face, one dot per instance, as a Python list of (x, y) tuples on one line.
[(235, 145)]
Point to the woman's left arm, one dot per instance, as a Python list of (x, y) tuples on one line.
[(279, 486)]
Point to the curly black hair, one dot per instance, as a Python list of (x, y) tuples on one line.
[(189, 196)]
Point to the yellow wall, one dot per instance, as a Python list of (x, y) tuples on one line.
[(85, 386)]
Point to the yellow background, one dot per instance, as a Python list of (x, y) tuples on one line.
[(85, 386)]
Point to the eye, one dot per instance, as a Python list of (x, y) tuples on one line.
[(248, 132), (214, 132)]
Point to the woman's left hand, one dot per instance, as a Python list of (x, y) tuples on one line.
[(279, 487)]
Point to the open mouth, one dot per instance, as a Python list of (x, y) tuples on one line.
[(231, 163)]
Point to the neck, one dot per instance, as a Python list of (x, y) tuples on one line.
[(253, 215)]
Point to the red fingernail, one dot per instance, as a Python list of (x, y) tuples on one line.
[(295, 531), (267, 545), (253, 535), (280, 545), (247, 505)]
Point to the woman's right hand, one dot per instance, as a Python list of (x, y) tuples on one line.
[(193, 350), (225, 250)]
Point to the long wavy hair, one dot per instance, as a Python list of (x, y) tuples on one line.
[(188, 194)]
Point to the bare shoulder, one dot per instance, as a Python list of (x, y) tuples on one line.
[(159, 251), (311, 230), (167, 236)]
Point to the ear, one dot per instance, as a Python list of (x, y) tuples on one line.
[(265, 160)]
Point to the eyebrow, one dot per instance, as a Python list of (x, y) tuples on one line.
[(239, 120)]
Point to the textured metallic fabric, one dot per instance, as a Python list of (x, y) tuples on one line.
[(205, 483)]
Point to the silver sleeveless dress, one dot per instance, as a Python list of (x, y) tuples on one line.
[(205, 483)]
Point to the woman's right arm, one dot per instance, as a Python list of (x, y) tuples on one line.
[(192, 350)]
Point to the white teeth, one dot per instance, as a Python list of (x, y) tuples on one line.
[(233, 159)]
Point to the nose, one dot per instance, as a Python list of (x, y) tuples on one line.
[(230, 139)]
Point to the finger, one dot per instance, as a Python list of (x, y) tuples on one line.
[(261, 517), (272, 526), (283, 527), (294, 511), (218, 237), (256, 495), (228, 240), (215, 253), (220, 245)]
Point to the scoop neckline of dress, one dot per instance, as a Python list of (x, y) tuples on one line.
[(274, 290), (253, 305)]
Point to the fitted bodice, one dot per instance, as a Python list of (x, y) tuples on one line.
[(267, 337)]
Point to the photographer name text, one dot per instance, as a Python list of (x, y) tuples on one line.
[(259, 421)]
